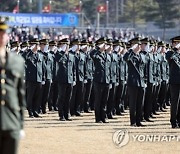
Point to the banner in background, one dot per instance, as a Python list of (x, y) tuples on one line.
[(45, 20)]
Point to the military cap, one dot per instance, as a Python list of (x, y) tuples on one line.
[(24, 44), (151, 42), (145, 40), (175, 39), (117, 42), (109, 41), (52, 43), (128, 44), (91, 43), (34, 41), (64, 41), (161, 44), (84, 42), (14, 44), (3, 24), (135, 41), (123, 44), (75, 42), (168, 45), (101, 40), (44, 41)]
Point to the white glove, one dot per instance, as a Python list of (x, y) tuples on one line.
[(50, 81), (22, 134), (117, 84), (85, 81), (145, 85), (74, 83), (43, 82), (110, 86)]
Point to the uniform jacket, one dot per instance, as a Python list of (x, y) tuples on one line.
[(102, 63), (173, 58), (136, 66), (81, 67), (66, 72), (35, 67), (12, 93)]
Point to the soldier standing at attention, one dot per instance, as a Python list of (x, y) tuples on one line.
[(173, 58), (81, 77), (34, 78), (114, 79), (12, 95), (102, 76), (48, 64), (66, 78), (135, 82), (53, 98)]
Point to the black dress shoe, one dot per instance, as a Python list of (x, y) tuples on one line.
[(162, 110), (31, 116), (140, 124), (44, 112), (175, 126), (67, 119), (98, 121), (148, 120), (133, 125), (50, 108), (62, 119), (78, 114), (152, 116), (36, 115), (55, 109), (87, 111), (155, 113), (109, 116), (105, 121)]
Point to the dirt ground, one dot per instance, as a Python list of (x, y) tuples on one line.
[(48, 135)]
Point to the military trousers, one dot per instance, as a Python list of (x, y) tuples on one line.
[(45, 94), (9, 141), (87, 94), (65, 94), (175, 103), (77, 97), (136, 98), (53, 98), (111, 100), (101, 91), (33, 96), (148, 101), (119, 101)]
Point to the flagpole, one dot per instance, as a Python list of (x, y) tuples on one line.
[(107, 13), (18, 1), (50, 2)]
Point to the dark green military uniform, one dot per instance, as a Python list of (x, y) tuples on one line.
[(173, 58), (102, 77), (12, 96), (34, 76), (53, 98), (81, 76), (66, 76), (136, 84)]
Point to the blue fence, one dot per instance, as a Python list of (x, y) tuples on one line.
[(42, 20)]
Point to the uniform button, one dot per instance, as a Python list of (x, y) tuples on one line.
[(4, 92), (3, 102), (2, 81), (3, 71)]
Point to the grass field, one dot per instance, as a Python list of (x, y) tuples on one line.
[(48, 135)]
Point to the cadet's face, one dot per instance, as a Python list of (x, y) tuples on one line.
[(4, 38), (143, 46)]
